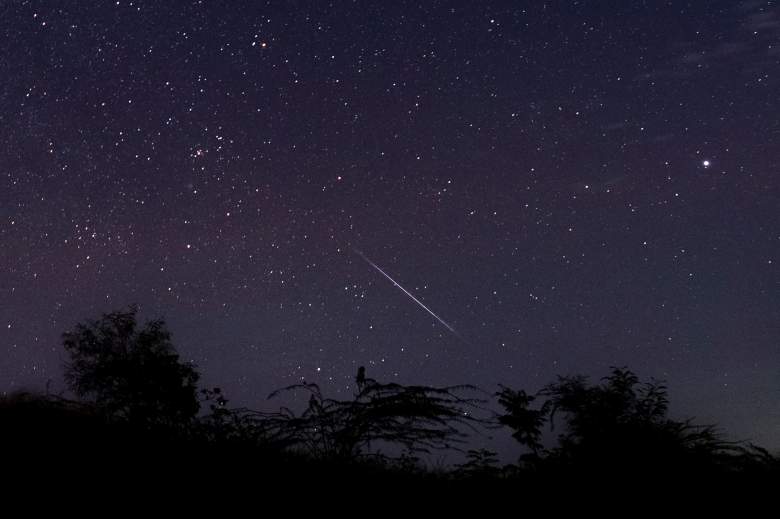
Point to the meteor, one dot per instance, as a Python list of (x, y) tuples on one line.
[(450, 328)]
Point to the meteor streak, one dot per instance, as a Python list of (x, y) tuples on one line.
[(450, 328)]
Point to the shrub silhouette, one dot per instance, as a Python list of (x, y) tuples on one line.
[(479, 464), (137, 395), (526, 423), (131, 373), (46, 420), (617, 427), (415, 418)]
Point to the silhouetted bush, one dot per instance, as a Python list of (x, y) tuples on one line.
[(131, 373), (618, 428), (413, 418), (140, 411)]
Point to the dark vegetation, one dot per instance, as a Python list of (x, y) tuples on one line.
[(138, 408)]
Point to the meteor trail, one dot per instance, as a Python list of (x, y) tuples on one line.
[(450, 328)]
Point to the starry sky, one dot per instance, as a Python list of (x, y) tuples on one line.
[(568, 185)]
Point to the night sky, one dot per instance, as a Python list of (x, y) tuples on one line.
[(568, 185)]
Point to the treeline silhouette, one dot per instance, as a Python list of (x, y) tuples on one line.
[(138, 406)]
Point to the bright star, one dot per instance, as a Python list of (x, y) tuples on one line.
[(705, 163)]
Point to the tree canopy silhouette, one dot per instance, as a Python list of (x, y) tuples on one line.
[(618, 423), (132, 373), (617, 428), (415, 418)]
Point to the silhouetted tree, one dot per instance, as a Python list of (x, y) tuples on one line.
[(526, 423), (416, 418), (131, 373), (622, 419), (618, 424)]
